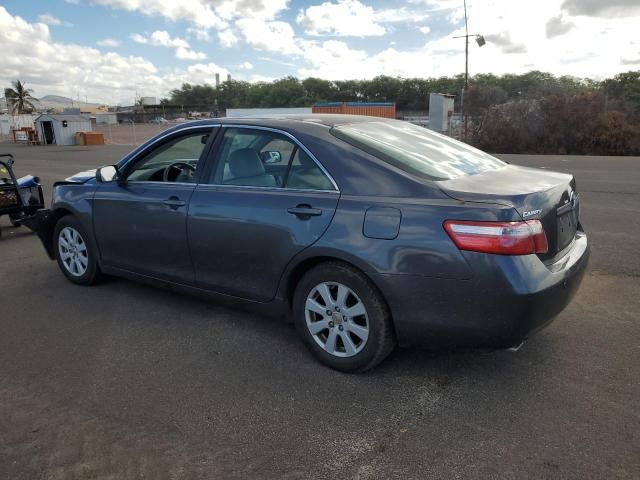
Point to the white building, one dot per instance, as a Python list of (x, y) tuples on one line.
[(440, 111), (106, 119), (61, 129)]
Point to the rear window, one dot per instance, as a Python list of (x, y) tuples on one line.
[(417, 150)]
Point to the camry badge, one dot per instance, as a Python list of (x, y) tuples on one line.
[(531, 213)]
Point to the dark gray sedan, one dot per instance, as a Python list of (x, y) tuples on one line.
[(366, 232)]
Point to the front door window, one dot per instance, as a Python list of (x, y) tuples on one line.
[(174, 161)]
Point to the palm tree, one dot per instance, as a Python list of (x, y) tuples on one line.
[(19, 98)]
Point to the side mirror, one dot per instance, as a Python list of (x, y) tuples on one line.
[(107, 174), (271, 157)]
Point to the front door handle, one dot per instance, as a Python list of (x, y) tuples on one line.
[(174, 203), (304, 211)]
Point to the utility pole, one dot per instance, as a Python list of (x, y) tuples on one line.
[(466, 48), (480, 41)]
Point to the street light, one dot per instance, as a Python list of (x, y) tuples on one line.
[(480, 41)]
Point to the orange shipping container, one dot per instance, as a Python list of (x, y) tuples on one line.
[(375, 109)]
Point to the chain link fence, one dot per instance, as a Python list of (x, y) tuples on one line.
[(129, 133)]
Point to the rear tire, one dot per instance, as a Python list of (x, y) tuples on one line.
[(75, 252), (342, 318)]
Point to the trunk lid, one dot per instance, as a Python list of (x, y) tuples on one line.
[(535, 194)]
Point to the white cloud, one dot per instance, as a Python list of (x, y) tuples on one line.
[(347, 18), (204, 15), (227, 38), (108, 42), (162, 38), (197, 12), (400, 15), (334, 60), (198, 73), (199, 33), (516, 42), (245, 66), (136, 37), (261, 78), (352, 18), (558, 25), (506, 43), (425, 29), (49, 19), (183, 53), (49, 67), (602, 8), (260, 9), (52, 20), (269, 36)]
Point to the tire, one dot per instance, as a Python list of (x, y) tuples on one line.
[(15, 221), (69, 237), (358, 334)]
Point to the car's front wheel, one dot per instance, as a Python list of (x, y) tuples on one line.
[(343, 318), (75, 253)]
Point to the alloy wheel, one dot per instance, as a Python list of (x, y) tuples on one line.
[(337, 319), (73, 251)]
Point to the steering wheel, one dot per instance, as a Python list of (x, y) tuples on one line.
[(180, 167)]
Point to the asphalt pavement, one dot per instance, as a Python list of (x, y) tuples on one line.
[(123, 380)]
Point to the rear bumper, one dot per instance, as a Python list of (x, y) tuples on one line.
[(508, 300)]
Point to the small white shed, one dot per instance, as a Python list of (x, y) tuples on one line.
[(440, 111), (61, 129)]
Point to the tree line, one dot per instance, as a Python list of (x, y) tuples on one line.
[(535, 112)]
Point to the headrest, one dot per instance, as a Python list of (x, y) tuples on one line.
[(245, 162)]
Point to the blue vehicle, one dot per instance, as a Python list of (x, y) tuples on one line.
[(365, 232)]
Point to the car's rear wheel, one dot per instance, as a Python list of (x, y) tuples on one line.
[(75, 253), (343, 318)]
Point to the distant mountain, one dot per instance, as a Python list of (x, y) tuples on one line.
[(53, 101), (56, 103)]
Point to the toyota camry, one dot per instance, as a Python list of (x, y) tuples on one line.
[(365, 232)]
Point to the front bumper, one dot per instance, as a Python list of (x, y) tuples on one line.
[(509, 299), (42, 223)]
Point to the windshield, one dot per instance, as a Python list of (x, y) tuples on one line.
[(417, 150)]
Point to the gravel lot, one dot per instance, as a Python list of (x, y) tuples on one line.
[(126, 381)]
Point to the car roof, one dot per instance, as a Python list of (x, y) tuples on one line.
[(292, 121)]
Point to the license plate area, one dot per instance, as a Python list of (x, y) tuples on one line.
[(567, 226)]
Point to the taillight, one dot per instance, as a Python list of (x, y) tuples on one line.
[(502, 238)]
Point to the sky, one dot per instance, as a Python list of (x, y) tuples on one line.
[(109, 51)]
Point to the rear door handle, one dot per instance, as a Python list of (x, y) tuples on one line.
[(174, 203), (305, 211)]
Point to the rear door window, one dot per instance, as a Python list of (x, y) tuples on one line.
[(263, 158), (305, 174)]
